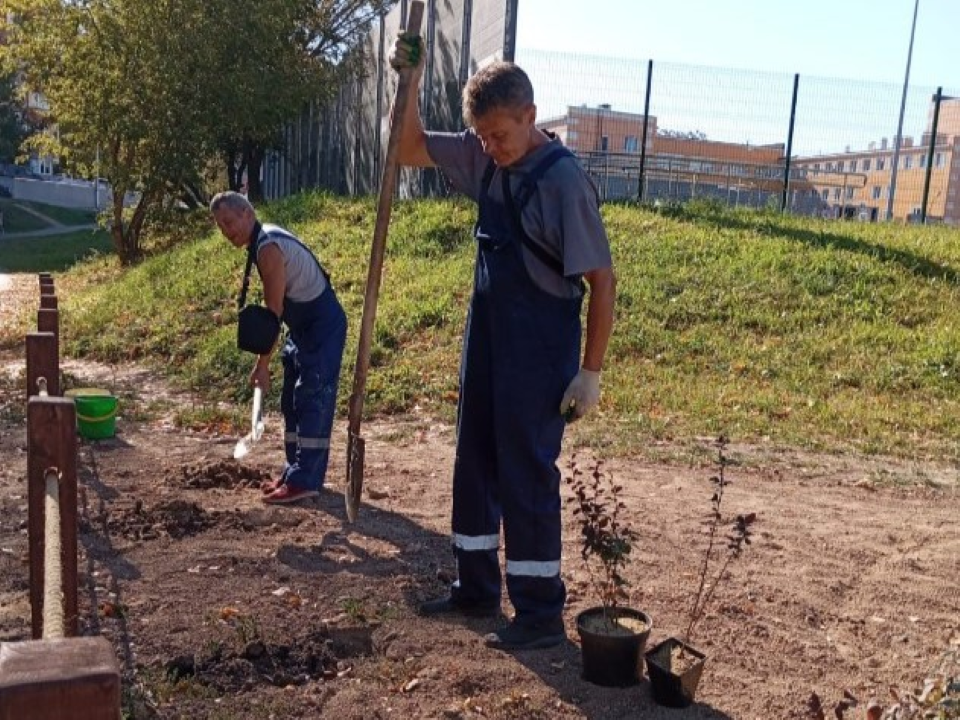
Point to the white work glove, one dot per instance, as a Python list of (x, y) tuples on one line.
[(406, 52), (582, 395)]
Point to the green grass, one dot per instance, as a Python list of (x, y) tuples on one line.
[(17, 217), (823, 335), (62, 215), (17, 220), (51, 253)]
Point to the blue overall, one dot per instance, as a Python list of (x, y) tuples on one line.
[(521, 349), (311, 356)]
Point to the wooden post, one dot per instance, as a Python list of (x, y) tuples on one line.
[(76, 678), (48, 320), (48, 302), (52, 443), (46, 286), (42, 363)]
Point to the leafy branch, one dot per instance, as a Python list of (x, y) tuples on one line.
[(605, 540), (738, 537)]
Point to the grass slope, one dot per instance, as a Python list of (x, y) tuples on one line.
[(804, 332)]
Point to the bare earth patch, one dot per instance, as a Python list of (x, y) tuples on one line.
[(222, 607)]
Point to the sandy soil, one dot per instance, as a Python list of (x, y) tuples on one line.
[(221, 607)]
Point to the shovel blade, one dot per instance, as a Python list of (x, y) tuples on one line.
[(354, 487)]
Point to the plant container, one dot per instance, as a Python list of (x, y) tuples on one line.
[(611, 645), (674, 670)]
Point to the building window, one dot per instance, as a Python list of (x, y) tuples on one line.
[(907, 162), (923, 161), (631, 143), (825, 195), (875, 193), (853, 166), (850, 193), (604, 143), (571, 134), (881, 163), (816, 167), (866, 165), (836, 193), (938, 160)]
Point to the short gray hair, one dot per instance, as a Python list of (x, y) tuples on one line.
[(498, 86), (230, 200)]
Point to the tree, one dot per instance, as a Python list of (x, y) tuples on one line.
[(278, 85), (147, 94), (118, 77), (16, 121)]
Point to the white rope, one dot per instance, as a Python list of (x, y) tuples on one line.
[(53, 622)]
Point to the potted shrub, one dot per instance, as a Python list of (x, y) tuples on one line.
[(612, 637), (674, 666)]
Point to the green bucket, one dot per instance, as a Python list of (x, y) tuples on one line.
[(96, 412)]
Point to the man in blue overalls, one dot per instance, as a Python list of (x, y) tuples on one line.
[(540, 236), (297, 290)]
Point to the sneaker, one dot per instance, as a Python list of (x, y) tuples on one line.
[(449, 606), (527, 637), (271, 485), (285, 494)]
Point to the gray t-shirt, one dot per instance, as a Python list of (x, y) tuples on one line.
[(304, 281), (562, 215)]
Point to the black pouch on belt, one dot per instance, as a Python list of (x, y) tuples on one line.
[(257, 329)]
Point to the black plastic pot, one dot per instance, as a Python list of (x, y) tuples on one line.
[(612, 660), (669, 687)]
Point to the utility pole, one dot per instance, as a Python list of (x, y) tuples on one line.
[(898, 140)]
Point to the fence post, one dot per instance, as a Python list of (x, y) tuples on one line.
[(52, 443), (643, 138), (46, 286), (937, 99), (48, 302), (42, 362), (786, 165)]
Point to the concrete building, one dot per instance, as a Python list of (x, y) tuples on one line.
[(857, 183), (676, 166)]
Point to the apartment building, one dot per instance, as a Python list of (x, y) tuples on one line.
[(677, 166), (857, 183)]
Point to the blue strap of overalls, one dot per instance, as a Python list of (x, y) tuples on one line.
[(515, 202)]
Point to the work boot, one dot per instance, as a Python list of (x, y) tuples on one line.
[(526, 636), (449, 606)]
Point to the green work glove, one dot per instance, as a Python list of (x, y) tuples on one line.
[(406, 52)]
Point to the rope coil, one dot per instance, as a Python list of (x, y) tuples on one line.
[(53, 621)]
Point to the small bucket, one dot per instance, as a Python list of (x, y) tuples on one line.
[(96, 412)]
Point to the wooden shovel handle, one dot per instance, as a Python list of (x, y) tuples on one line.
[(388, 184)]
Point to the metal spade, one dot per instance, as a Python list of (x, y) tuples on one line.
[(245, 444)]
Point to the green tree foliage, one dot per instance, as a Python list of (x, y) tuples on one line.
[(16, 122), (147, 94)]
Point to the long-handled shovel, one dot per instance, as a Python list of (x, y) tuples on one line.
[(388, 182)]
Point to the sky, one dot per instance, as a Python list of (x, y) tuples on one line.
[(726, 67), (856, 39)]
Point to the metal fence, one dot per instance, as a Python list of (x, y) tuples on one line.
[(655, 131), (341, 147)]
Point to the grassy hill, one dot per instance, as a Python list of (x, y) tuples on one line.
[(804, 332)]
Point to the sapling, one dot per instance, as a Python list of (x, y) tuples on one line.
[(738, 537), (606, 541)]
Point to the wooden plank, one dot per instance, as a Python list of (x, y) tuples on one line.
[(76, 678), (48, 302), (42, 362), (52, 443)]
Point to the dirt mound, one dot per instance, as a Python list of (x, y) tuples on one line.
[(228, 474), (320, 655), (176, 518)]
